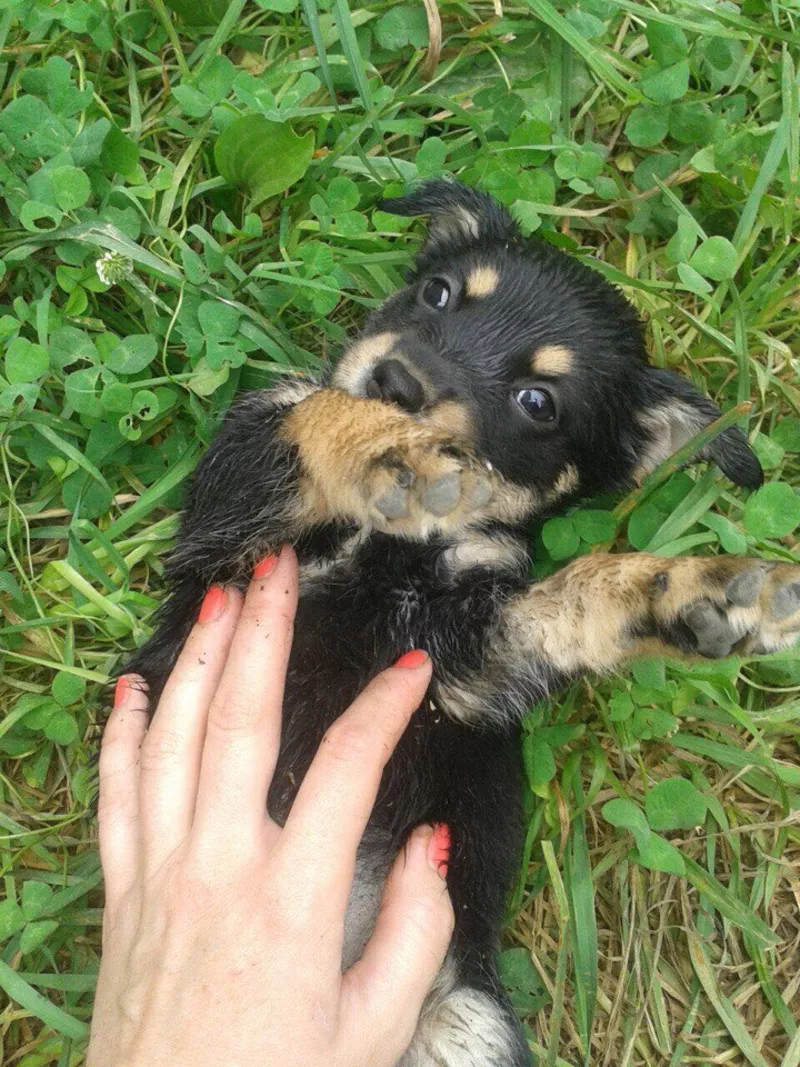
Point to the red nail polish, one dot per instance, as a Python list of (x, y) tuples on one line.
[(120, 690), (415, 658), (213, 604), (439, 849), (265, 566)]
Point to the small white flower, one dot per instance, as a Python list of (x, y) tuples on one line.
[(112, 268)]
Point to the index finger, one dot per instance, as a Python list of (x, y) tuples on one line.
[(333, 805)]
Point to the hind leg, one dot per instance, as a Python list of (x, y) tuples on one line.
[(466, 1025)]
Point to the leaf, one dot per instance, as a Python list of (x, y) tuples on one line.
[(80, 389), (35, 898), (693, 281), (560, 538), (647, 126), (675, 804), (526, 990), (71, 187), (681, 245), (62, 728), (33, 129), (25, 362), (342, 193), (772, 511), (730, 537), (132, 354), (199, 12), (218, 320), (67, 688), (715, 258), (11, 918), (540, 764), (266, 157), (644, 524), (402, 25), (668, 84), (595, 527), (119, 154), (68, 345), (668, 44), (660, 855), (649, 671), (36, 934), (787, 433), (626, 815), (620, 707), (769, 452)]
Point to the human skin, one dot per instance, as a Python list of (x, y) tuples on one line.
[(223, 932)]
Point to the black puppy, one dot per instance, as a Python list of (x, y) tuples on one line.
[(506, 381)]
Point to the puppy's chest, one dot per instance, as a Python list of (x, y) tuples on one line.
[(383, 596)]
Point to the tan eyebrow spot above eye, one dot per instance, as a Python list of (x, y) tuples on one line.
[(552, 359), (482, 281)]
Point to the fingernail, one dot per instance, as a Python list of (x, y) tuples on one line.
[(415, 658), (439, 849), (213, 604), (121, 690), (265, 566)]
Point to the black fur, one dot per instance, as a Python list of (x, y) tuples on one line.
[(392, 594)]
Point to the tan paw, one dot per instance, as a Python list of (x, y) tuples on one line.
[(417, 488), (751, 607)]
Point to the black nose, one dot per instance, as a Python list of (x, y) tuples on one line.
[(392, 381)]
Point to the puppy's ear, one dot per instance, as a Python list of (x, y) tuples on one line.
[(673, 412), (459, 216)]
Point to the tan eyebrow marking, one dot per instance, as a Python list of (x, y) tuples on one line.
[(552, 359), (482, 281)]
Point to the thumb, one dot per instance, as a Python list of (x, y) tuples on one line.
[(388, 985)]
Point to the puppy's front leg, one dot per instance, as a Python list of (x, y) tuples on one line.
[(368, 462), (601, 610)]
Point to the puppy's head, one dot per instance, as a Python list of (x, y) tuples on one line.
[(531, 356)]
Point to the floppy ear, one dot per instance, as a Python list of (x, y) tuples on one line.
[(673, 412), (459, 216)]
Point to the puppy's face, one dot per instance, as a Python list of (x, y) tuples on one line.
[(527, 355)]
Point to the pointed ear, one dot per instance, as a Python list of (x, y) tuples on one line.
[(673, 412), (459, 216)]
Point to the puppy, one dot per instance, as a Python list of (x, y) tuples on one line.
[(505, 382)]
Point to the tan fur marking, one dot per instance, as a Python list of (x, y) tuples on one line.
[(290, 392), (495, 551), (452, 417), (353, 369), (512, 503), (566, 482), (482, 281), (552, 360)]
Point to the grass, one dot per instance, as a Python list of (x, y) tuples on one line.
[(656, 916)]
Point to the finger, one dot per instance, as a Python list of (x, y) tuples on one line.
[(409, 945), (171, 752), (244, 721), (118, 802), (326, 823)]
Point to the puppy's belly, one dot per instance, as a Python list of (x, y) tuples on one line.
[(373, 863)]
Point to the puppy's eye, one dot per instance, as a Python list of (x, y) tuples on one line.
[(537, 404), (436, 294)]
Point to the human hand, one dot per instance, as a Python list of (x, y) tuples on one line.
[(223, 932)]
